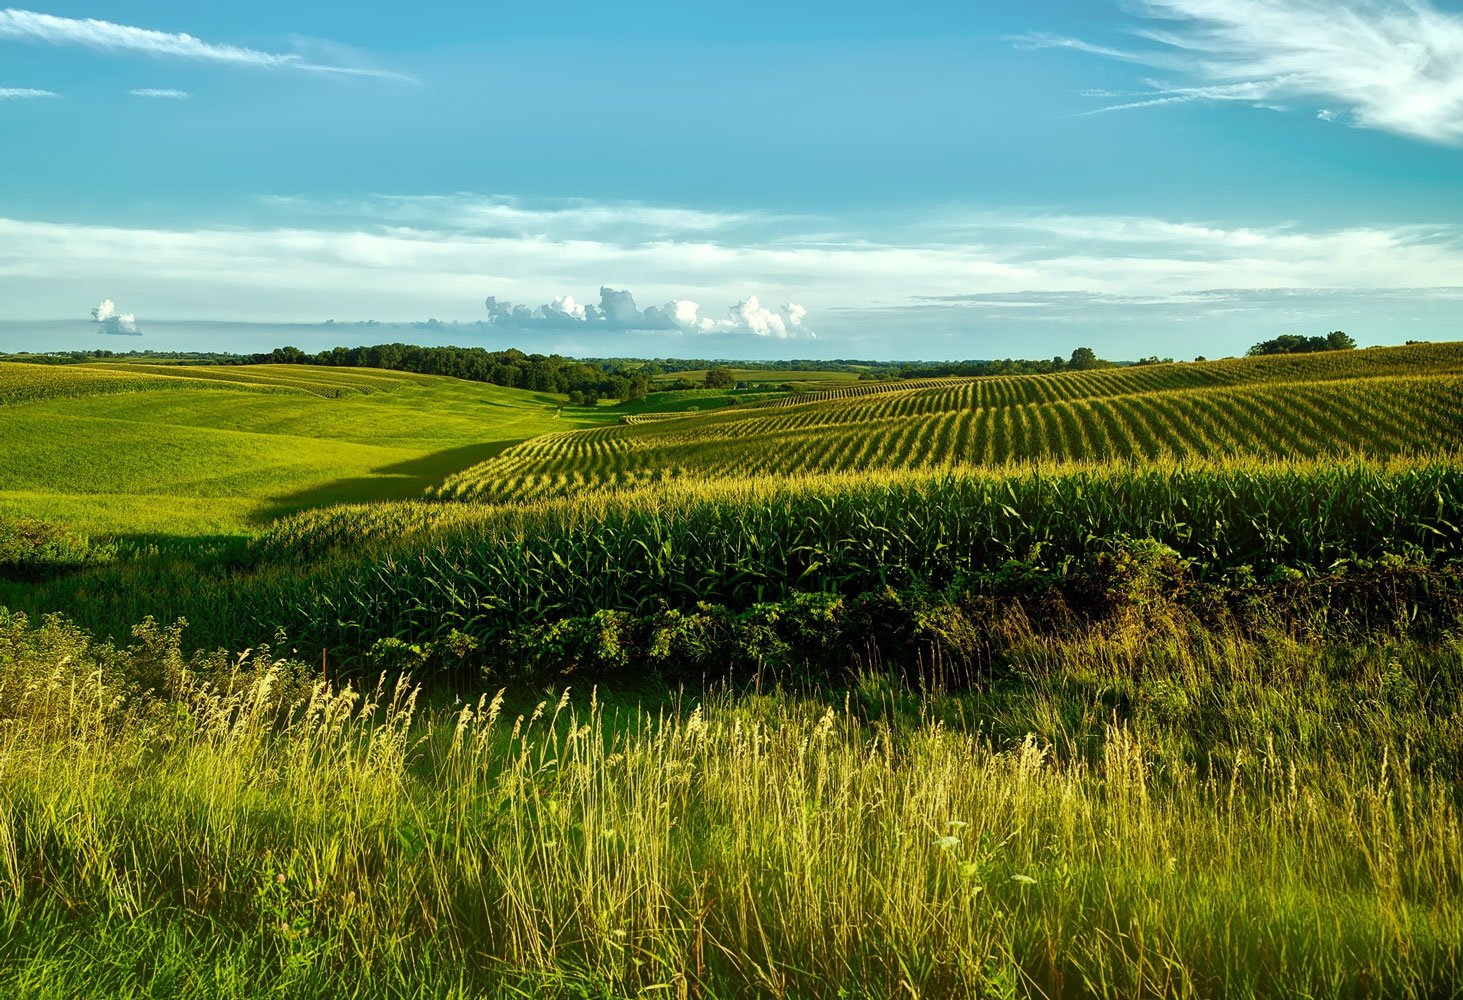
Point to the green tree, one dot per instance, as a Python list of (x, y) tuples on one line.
[(720, 378), (1294, 343), (1083, 359)]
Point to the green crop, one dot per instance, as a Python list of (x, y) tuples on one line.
[(1401, 401)]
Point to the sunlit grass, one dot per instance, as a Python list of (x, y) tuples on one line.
[(195, 450), (1273, 837)]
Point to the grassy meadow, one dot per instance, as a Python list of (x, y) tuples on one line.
[(1139, 682), (189, 450)]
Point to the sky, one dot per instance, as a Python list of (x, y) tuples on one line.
[(798, 179)]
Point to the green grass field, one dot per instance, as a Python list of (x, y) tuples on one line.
[(179, 450), (1140, 682)]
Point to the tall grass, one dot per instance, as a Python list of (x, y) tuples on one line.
[(1205, 816)]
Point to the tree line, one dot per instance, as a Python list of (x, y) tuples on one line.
[(1294, 343)]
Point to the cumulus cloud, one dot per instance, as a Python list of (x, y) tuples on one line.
[(1394, 65), (110, 321), (617, 311), (162, 94), (24, 93), (106, 36)]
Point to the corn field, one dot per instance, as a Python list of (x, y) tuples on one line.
[(1403, 401), (346, 577)]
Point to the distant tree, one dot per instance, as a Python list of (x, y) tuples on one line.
[(720, 378), (288, 356), (1083, 359), (1294, 343), (1286, 343)]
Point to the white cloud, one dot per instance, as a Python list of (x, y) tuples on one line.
[(109, 320), (106, 36), (751, 316), (618, 312), (951, 261), (1394, 65), (24, 93), (176, 95), (500, 215)]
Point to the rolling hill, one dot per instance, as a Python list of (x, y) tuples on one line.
[(185, 450), (1381, 402)]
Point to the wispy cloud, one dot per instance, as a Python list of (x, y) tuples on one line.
[(1393, 65), (106, 36), (501, 215), (163, 94), (24, 93)]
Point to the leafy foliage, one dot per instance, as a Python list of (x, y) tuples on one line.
[(1290, 343)]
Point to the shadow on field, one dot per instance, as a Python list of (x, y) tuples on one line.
[(402, 481)]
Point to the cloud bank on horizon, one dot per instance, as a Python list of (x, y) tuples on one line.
[(618, 312)]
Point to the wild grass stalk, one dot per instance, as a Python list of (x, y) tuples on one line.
[(304, 840)]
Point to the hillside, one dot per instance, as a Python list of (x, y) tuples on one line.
[(1382, 402), (182, 450)]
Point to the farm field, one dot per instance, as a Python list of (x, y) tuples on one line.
[(192, 450), (805, 381), (1143, 681), (1379, 402), (706, 501)]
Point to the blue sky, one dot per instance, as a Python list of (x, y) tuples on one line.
[(793, 179)]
